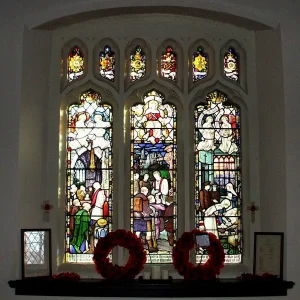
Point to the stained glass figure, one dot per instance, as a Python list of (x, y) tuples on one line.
[(218, 174), (169, 64), (89, 176), (137, 64), (153, 176), (75, 64), (107, 63), (231, 64), (200, 64)]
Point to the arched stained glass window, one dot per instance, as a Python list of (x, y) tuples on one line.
[(107, 63), (89, 176), (231, 64), (137, 64), (153, 176), (169, 64), (75, 64), (200, 64), (218, 174)]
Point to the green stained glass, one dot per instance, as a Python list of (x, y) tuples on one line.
[(218, 174), (89, 176), (153, 176)]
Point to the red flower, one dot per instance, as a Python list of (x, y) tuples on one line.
[(66, 276)]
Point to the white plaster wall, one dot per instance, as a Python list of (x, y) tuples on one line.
[(12, 16)]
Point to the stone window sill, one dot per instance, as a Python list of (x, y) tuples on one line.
[(176, 288)]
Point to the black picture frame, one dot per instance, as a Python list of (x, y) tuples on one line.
[(268, 253), (36, 253)]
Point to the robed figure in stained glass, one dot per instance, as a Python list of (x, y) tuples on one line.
[(80, 237)]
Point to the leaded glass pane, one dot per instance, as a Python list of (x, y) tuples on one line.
[(89, 176), (218, 199), (34, 247), (75, 64), (153, 176)]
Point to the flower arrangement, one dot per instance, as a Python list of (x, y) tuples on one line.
[(136, 260), (66, 276), (252, 277), (208, 270)]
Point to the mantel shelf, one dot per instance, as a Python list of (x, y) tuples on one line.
[(135, 288)]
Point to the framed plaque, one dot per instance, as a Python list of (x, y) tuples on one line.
[(36, 253), (268, 253)]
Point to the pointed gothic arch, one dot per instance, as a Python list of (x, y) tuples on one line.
[(74, 62)]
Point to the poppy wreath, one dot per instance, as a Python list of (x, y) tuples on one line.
[(136, 260), (209, 269)]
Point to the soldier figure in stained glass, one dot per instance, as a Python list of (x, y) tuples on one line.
[(142, 218), (145, 182), (205, 196)]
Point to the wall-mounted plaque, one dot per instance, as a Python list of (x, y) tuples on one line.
[(268, 253)]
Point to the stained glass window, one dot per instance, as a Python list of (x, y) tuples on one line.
[(89, 176), (107, 63), (231, 64), (218, 174), (137, 64), (153, 176), (200, 64), (75, 64), (169, 64)]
